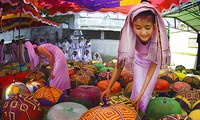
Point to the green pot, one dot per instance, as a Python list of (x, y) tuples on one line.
[(161, 106), (106, 69), (98, 66)]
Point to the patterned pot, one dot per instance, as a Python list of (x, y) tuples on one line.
[(35, 75), (91, 68), (170, 77), (86, 95), (126, 77), (80, 79), (188, 99), (89, 73), (175, 117), (118, 99), (12, 72), (105, 75), (22, 107), (194, 81), (110, 112), (49, 96), (66, 111)]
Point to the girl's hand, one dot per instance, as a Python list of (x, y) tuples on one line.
[(105, 94), (51, 74), (135, 103)]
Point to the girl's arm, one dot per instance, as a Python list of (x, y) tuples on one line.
[(115, 76), (43, 51)]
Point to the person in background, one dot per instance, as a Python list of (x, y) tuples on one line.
[(21, 50), (58, 43), (59, 76), (80, 47), (41, 41), (87, 56), (88, 45), (67, 55), (34, 41), (64, 45), (97, 57), (70, 47), (13, 51), (2, 52), (75, 56), (143, 49)]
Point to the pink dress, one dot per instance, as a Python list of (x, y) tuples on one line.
[(141, 66), (60, 70)]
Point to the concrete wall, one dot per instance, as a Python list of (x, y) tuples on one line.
[(107, 48), (8, 36)]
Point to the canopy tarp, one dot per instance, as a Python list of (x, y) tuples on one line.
[(188, 14)]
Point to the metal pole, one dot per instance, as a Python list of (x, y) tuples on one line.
[(20, 42)]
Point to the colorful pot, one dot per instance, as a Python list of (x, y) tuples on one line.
[(128, 89), (188, 99), (175, 117), (126, 77), (195, 114), (49, 96), (80, 79), (116, 88), (106, 69), (162, 86), (91, 68), (105, 75), (110, 112), (14, 88), (12, 72), (177, 86), (35, 75), (194, 81), (119, 99), (22, 107), (21, 76), (89, 73), (98, 66), (86, 95), (170, 77)]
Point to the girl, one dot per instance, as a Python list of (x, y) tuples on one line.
[(143, 48), (59, 76), (97, 57)]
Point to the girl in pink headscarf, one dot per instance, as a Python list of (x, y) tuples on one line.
[(143, 49), (59, 76)]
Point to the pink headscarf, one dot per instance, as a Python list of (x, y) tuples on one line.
[(159, 51), (34, 58)]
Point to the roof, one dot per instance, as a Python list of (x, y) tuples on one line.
[(188, 14)]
